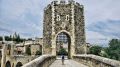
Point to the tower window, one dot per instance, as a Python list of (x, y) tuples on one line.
[(67, 17), (58, 17)]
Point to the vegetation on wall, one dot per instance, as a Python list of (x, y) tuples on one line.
[(38, 52), (28, 50)]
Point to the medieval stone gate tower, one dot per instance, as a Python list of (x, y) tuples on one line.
[(68, 17)]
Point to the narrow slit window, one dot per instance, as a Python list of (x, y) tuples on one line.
[(58, 17), (67, 17)]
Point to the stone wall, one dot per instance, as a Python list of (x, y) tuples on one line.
[(79, 29), (62, 24), (67, 18), (35, 48), (96, 61), (42, 61), (47, 30), (19, 58)]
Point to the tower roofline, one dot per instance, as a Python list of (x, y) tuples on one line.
[(65, 2)]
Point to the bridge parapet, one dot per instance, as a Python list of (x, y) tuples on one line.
[(42, 61), (96, 61)]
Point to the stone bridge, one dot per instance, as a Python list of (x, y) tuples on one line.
[(85, 60), (9, 59), (63, 24), (17, 60)]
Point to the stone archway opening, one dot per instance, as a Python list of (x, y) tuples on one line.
[(63, 45), (8, 64), (19, 64)]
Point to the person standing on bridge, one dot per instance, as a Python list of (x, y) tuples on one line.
[(63, 58)]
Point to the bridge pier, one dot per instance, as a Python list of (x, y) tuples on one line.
[(3, 60)]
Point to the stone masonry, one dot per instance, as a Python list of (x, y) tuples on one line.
[(68, 17)]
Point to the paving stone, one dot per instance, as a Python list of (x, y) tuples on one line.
[(68, 63)]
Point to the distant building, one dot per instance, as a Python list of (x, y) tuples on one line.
[(20, 49), (34, 45), (39, 41), (11, 54), (35, 48), (29, 42)]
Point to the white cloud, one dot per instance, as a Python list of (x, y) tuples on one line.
[(97, 10), (22, 16), (94, 35), (26, 17), (96, 38)]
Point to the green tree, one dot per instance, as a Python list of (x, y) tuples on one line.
[(28, 50), (113, 50), (7, 38), (95, 50), (38, 53), (62, 51), (1, 38), (114, 43), (10, 37), (17, 39), (103, 52)]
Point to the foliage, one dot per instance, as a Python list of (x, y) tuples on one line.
[(113, 51), (15, 38), (1, 38), (38, 53), (103, 52), (62, 51), (28, 51), (29, 38), (8, 38), (95, 50)]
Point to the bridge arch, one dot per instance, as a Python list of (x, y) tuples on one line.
[(19, 64), (8, 64)]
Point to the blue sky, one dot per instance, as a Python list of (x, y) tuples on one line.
[(102, 18)]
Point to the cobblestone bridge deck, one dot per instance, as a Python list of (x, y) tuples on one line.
[(68, 63)]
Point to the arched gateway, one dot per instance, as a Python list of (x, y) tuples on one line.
[(8, 64), (19, 64), (67, 19), (63, 44)]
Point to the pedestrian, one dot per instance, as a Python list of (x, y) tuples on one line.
[(63, 58)]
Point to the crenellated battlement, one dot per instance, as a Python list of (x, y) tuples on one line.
[(63, 2)]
